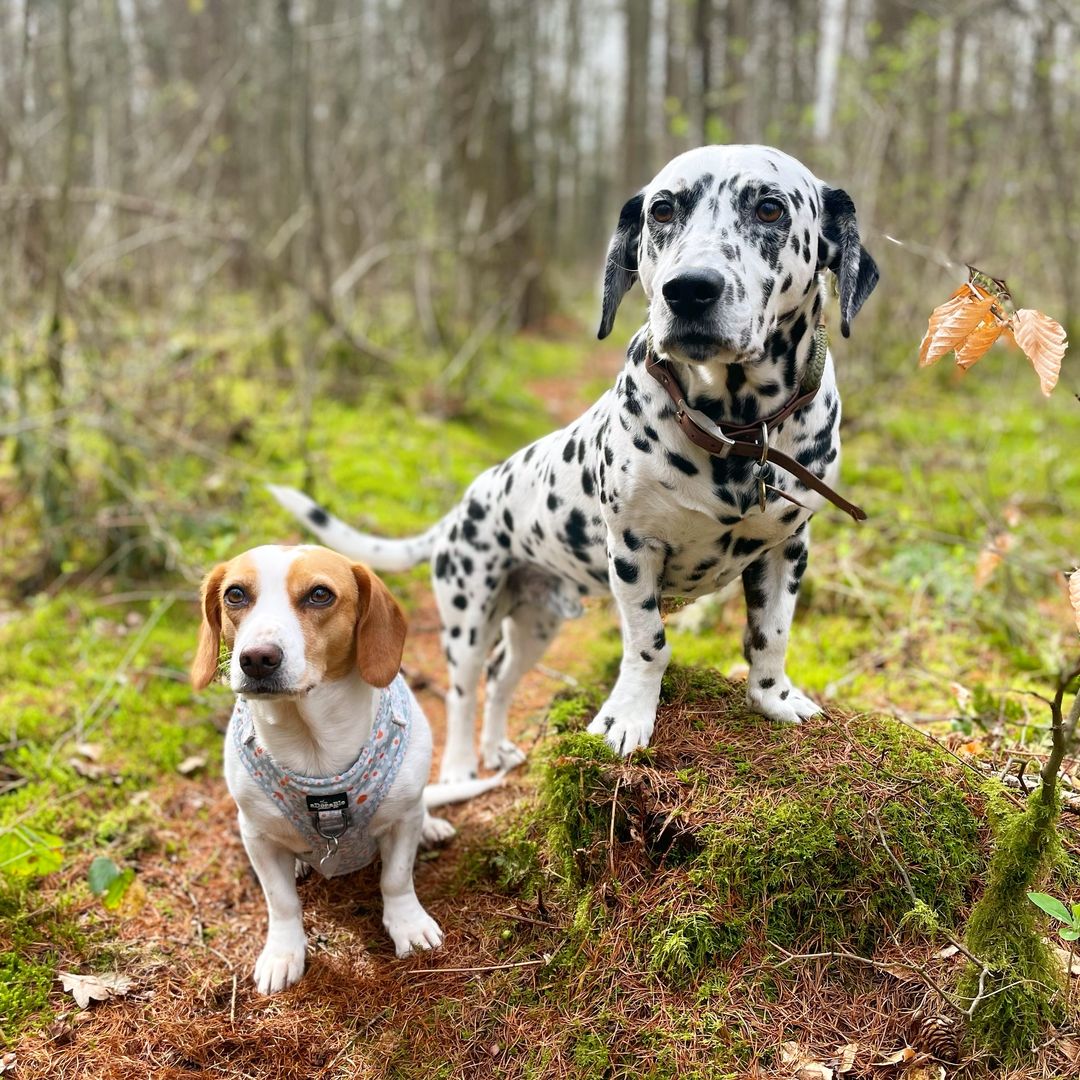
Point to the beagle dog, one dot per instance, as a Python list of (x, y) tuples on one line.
[(328, 751)]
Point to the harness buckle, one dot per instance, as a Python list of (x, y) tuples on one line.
[(330, 816)]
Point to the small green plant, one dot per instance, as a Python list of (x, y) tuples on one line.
[(1057, 910), (109, 882)]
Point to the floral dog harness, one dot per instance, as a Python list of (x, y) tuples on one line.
[(333, 813)]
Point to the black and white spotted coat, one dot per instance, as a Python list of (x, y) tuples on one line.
[(621, 501)]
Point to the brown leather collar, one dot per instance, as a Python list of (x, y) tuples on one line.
[(732, 440)]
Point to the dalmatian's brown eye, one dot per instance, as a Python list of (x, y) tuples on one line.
[(770, 211), (662, 211), (320, 596), (235, 596)]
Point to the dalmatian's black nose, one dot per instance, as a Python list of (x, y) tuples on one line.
[(260, 660), (693, 292)]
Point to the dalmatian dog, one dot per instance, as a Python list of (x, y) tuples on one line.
[(730, 244)]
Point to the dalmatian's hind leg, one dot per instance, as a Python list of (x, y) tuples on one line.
[(526, 634), (471, 610)]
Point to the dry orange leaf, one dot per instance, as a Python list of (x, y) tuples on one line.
[(956, 328), (977, 315), (1043, 342), (979, 341), (965, 295)]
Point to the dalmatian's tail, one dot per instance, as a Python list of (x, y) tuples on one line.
[(377, 552), (436, 795)]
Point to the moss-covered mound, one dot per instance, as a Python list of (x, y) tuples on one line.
[(689, 884)]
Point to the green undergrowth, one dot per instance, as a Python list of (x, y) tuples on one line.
[(697, 866)]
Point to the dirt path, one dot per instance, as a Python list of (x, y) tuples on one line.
[(193, 925)]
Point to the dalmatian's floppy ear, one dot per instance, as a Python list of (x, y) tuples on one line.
[(620, 270), (840, 249)]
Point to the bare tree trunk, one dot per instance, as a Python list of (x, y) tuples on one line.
[(56, 476), (636, 92)]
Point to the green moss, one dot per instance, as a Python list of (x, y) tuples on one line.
[(1023, 989), (576, 770), (823, 876)]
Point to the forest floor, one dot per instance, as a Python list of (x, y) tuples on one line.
[(947, 601)]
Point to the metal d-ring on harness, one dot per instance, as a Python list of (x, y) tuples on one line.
[(752, 440)]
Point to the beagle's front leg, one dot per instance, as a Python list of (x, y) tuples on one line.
[(408, 924), (281, 963)]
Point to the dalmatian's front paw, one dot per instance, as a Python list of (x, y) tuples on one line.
[(410, 926), (781, 702), (503, 756), (436, 830), (624, 725), (281, 963)]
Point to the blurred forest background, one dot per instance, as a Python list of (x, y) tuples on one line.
[(340, 194)]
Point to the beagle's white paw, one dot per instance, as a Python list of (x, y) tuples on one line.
[(281, 963), (436, 830), (410, 927)]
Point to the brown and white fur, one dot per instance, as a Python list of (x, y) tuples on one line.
[(312, 638)]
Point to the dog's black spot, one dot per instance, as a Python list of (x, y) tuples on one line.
[(476, 511), (746, 545), (318, 516), (631, 539), (553, 501), (460, 602), (568, 451), (660, 639), (642, 444), (576, 536), (650, 604), (682, 464), (646, 656), (503, 539), (587, 483), (766, 684)]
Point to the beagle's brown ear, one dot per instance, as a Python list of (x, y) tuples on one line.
[(205, 665), (380, 629)]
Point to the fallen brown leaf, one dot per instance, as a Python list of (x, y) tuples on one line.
[(87, 988), (900, 1057), (845, 1057), (191, 764)]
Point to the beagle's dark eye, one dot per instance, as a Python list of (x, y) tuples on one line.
[(320, 596), (770, 211), (235, 596), (662, 211)]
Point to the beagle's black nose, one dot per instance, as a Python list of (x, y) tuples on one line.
[(693, 292), (260, 660)]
